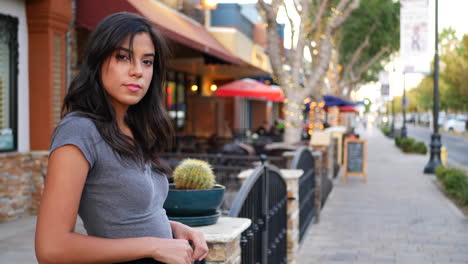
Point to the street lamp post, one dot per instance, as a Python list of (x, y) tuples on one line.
[(404, 131), (392, 126), (434, 161)]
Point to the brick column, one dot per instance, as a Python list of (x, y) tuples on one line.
[(48, 22), (21, 184), (39, 161), (292, 184), (318, 183), (15, 185)]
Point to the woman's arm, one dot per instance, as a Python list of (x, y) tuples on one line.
[(56, 241), (182, 231)]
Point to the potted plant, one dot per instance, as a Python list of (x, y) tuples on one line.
[(194, 197)]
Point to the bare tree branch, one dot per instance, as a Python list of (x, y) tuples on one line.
[(357, 54), (340, 14), (355, 76), (298, 54), (273, 45), (371, 62), (291, 23), (296, 6), (308, 67), (319, 15)]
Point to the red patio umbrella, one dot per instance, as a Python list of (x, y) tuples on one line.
[(252, 89)]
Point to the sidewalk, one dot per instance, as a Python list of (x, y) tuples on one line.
[(17, 240), (398, 216)]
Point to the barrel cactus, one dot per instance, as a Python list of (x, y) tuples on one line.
[(194, 174)]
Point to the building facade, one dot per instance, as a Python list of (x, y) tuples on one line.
[(41, 43)]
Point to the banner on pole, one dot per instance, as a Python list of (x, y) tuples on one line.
[(385, 83), (414, 36)]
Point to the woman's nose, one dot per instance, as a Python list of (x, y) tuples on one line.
[(136, 68)]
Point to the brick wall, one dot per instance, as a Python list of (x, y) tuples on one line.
[(21, 184)]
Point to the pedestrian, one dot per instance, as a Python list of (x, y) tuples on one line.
[(104, 162), (263, 128)]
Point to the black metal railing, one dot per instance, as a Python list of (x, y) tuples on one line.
[(304, 160), (326, 184), (325, 173), (263, 199), (226, 169)]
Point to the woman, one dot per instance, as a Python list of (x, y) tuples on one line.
[(103, 162)]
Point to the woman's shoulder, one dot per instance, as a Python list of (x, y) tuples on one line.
[(78, 123), (77, 118), (79, 130)]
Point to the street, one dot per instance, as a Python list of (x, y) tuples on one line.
[(457, 145)]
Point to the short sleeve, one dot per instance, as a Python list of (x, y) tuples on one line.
[(78, 131)]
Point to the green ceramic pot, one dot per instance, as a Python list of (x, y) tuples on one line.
[(193, 202)]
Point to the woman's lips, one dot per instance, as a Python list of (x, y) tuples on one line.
[(133, 87)]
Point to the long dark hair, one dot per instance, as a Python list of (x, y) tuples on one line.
[(148, 120)]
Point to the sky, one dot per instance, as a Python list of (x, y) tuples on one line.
[(451, 13)]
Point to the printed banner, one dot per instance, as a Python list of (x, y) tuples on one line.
[(415, 53)]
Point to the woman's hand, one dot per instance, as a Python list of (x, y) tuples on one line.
[(172, 251), (182, 231)]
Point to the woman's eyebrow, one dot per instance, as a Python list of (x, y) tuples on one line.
[(123, 49), (144, 55)]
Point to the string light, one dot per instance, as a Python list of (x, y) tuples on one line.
[(316, 115), (336, 11)]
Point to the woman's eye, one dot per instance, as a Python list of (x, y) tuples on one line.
[(122, 57), (148, 62)]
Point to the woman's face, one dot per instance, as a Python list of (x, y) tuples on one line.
[(126, 77)]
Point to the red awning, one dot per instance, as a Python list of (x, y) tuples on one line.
[(252, 89), (347, 108), (344, 108), (169, 22)]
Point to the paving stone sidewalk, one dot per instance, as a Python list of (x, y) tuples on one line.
[(17, 240), (398, 216)]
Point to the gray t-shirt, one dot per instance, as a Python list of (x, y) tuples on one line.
[(118, 200)]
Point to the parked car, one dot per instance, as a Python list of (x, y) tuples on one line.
[(457, 124)]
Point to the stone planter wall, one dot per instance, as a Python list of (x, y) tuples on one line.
[(39, 170), (21, 184), (223, 239), (291, 178)]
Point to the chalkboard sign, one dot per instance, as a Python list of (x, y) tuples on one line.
[(355, 158)]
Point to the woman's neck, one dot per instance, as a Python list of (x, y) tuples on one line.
[(120, 118)]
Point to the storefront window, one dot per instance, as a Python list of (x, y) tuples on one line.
[(175, 99), (8, 82), (178, 86)]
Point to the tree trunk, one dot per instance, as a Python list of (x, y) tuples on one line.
[(293, 120)]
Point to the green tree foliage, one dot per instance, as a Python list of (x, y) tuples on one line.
[(422, 95), (454, 75), (453, 81), (369, 36)]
